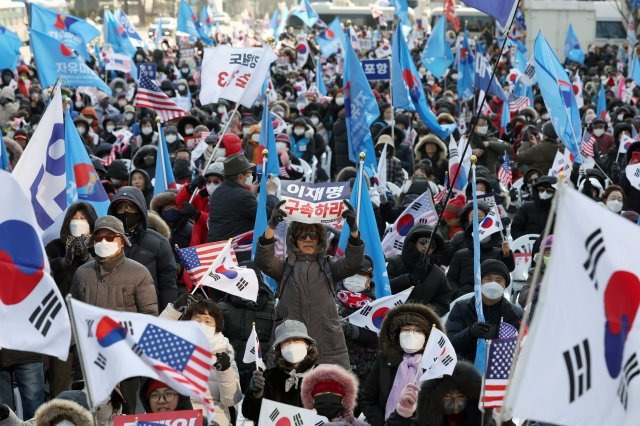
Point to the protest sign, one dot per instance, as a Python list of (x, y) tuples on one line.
[(522, 255), (314, 202), (149, 68), (167, 418), (376, 69)]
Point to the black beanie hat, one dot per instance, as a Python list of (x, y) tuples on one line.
[(493, 266)]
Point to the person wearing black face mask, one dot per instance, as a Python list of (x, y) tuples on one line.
[(145, 159), (331, 391), (165, 205), (147, 246), (532, 215)]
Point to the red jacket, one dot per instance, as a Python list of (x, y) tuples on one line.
[(200, 227)]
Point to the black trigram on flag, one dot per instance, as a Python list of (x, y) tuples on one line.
[(578, 362), (274, 414), (594, 245), (365, 311), (441, 342), (137, 349), (297, 420), (447, 360), (215, 277), (89, 327), (242, 284), (397, 244), (42, 317), (416, 206), (127, 326), (629, 372), (101, 361)]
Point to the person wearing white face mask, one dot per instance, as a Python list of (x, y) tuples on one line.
[(295, 356), (614, 198), (462, 324), (112, 281), (403, 336), (604, 140), (491, 149)]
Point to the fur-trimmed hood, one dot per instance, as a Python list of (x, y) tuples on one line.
[(442, 152), (158, 224), (162, 200), (56, 410), (388, 342), (330, 372), (465, 379)]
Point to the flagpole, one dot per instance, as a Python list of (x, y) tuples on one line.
[(226, 253), (255, 348), (393, 111), (360, 177)]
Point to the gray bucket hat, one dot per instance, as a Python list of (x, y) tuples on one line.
[(112, 224), (235, 164), (291, 329), (216, 169)]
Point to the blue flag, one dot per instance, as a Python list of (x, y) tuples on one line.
[(164, 173), (437, 55), (331, 38), (505, 118), (408, 92), (83, 183), (481, 345), (401, 11), (483, 78), (305, 13), (602, 103), (129, 29), (360, 107), (5, 164), (74, 32), (557, 92), (116, 36), (572, 49), (188, 23), (54, 59), (635, 70), (9, 48), (502, 11), (466, 70), (205, 21), (370, 236), (319, 81), (274, 23)]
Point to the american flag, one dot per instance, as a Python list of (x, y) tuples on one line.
[(507, 331), (178, 359), (498, 368), (197, 259), (517, 103), (437, 199), (150, 96), (588, 140), (505, 176)]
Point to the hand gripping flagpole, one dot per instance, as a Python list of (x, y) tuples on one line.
[(360, 177), (198, 285)]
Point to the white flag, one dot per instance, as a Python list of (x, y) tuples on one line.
[(41, 170), (253, 351), (372, 315), (382, 167), (116, 61), (278, 414), (421, 210), (633, 175), (579, 364), (439, 357), (625, 143), (32, 311), (235, 74), (490, 224), (117, 345), (561, 164), (225, 275)]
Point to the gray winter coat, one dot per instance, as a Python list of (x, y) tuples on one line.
[(307, 290)]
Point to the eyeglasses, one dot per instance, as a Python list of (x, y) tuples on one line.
[(313, 236), (168, 395), (124, 207), (109, 238), (548, 190)]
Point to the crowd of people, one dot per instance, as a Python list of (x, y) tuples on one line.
[(127, 259)]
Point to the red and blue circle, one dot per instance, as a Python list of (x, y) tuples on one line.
[(405, 223), (21, 261), (378, 316), (231, 274), (487, 223), (109, 332)]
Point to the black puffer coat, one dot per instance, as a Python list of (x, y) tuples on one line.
[(340, 146), (149, 248), (532, 216), (434, 289)]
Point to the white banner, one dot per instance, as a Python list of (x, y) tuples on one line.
[(633, 174), (372, 315), (314, 202), (439, 357), (235, 74)]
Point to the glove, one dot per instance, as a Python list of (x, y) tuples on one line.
[(183, 302), (4, 412), (199, 182), (408, 400), (77, 249), (189, 211), (421, 270), (350, 331), (277, 215), (350, 216), (223, 362), (481, 330), (257, 383)]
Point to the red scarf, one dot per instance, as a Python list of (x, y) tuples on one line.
[(353, 300)]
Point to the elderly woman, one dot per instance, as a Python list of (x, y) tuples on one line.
[(307, 279)]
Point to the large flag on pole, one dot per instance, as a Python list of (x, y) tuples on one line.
[(129, 29), (572, 49), (116, 36), (502, 11), (32, 311), (466, 68), (9, 48), (54, 59), (584, 358), (305, 12), (188, 23), (331, 39), (114, 346), (482, 80), (437, 55), (557, 93), (164, 179)]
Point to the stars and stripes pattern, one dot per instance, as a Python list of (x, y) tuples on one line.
[(507, 331), (197, 259), (498, 368), (588, 140), (150, 96), (505, 174), (437, 199), (177, 359), (518, 103)]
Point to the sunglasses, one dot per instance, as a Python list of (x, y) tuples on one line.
[(313, 236), (548, 190), (109, 238)]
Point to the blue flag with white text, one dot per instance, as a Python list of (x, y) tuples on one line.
[(54, 59), (129, 29), (437, 55), (401, 11), (466, 68), (305, 12), (602, 103), (83, 183), (502, 11), (164, 179), (572, 49), (116, 36), (559, 98), (188, 23), (483, 80)]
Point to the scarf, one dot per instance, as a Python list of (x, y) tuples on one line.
[(353, 300), (407, 373), (294, 378)]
